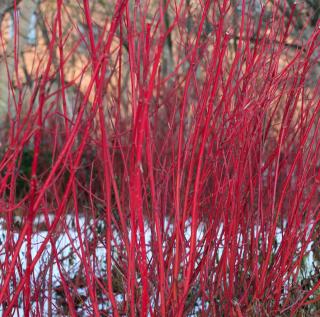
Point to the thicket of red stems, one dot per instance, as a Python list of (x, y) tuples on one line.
[(184, 179)]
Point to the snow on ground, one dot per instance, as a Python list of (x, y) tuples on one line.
[(68, 247)]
